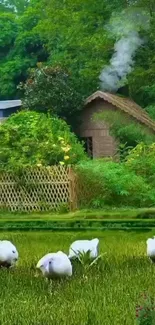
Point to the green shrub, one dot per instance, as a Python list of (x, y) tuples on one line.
[(29, 139), (128, 132), (106, 182), (141, 160)]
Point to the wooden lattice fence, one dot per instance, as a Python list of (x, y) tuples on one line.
[(40, 189)]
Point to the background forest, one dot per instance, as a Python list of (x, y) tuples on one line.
[(72, 36)]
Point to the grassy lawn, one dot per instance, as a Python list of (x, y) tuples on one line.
[(108, 213), (107, 294)]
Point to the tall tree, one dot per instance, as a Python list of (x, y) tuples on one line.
[(73, 34), (21, 48), (52, 89), (77, 38)]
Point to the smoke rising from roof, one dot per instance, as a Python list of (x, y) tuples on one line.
[(125, 28)]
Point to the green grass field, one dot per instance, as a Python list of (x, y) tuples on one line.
[(107, 294), (108, 213)]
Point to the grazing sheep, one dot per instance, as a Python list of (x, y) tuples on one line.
[(151, 249), (8, 254), (55, 265), (83, 246)]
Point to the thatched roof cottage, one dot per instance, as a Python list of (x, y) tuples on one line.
[(99, 143)]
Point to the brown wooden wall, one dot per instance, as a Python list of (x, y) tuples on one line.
[(104, 145)]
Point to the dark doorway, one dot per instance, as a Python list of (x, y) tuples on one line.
[(88, 146)]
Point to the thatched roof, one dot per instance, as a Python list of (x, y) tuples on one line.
[(5, 104), (124, 104)]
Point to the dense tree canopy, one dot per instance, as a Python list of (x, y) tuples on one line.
[(73, 35), (51, 89), (77, 37), (20, 49)]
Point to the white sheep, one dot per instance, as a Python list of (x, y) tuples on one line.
[(8, 254), (151, 249), (55, 265), (83, 246)]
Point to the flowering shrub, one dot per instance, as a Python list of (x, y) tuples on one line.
[(30, 139), (145, 312)]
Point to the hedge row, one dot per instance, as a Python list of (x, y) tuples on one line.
[(77, 224)]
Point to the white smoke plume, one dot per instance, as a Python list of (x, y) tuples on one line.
[(122, 61)]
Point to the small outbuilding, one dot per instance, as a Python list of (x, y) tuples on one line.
[(7, 107), (98, 141)]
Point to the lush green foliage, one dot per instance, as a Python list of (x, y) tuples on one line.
[(30, 138), (128, 132), (142, 161), (131, 182), (151, 111), (92, 298), (73, 35), (109, 183), (51, 89), (78, 30), (20, 49), (75, 29), (17, 6)]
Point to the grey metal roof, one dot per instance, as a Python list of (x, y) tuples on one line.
[(4, 104)]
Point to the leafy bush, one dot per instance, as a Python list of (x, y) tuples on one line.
[(141, 160), (29, 138), (128, 132), (106, 182)]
